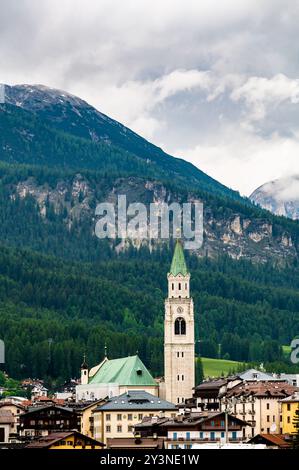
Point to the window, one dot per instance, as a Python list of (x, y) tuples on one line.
[(182, 378), (289, 420), (222, 434), (185, 285), (119, 417), (180, 326), (130, 428), (268, 406), (172, 286), (289, 407), (180, 286), (212, 423), (268, 419), (108, 417), (177, 354), (175, 435), (212, 435), (273, 418), (201, 435), (182, 354), (188, 435), (140, 416), (222, 423), (178, 377), (234, 435), (130, 417), (119, 428), (108, 428), (69, 443)]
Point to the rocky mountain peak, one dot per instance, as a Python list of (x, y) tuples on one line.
[(280, 196)]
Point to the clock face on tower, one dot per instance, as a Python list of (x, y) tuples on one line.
[(179, 310)]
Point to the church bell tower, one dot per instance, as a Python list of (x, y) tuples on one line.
[(179, 354)]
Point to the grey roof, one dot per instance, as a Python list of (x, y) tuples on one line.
[(292, 398), (136, 400), (254, 374)]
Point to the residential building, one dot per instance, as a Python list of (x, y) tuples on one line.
[(132, 443), (258, 403), (66, 441), (179, 352), (184, 431), (119, 415), (272, 441), (289, 406), (43, 420), (6, 425), (10, 409), (87, 418)]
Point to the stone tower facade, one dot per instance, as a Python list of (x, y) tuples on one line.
[(179, 354)]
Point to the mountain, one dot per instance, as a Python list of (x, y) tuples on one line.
[(57, 128), (59, 158), (280, 196)]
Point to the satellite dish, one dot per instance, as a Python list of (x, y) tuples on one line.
[(273, 427)]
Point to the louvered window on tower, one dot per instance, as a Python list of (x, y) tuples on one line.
[(180, 326)]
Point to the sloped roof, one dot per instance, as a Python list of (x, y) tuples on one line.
[(254, 374), (52, 438), (124, 371), (136, 400), (178, 264)]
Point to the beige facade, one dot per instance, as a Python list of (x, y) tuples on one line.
[(179, 340), (263, 414), (120, 423)]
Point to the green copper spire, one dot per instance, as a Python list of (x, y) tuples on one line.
[(178, 264)]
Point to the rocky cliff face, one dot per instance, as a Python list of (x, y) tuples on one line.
[(280, 197), (235, 235)]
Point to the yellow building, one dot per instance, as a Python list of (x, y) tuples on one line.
[(87, 425), (66, 441), (289, 406), (119, 415)]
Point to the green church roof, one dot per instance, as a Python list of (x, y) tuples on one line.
[(178, 264), (125, 371)]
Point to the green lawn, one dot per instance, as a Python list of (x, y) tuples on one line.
[(286, 350), (218, 367)]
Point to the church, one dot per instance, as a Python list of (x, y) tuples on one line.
[(117, 376)]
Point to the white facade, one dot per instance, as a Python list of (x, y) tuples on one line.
[(88, 392)]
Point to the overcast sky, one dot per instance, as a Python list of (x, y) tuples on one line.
[(215, 82)]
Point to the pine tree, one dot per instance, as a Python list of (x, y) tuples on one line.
[(199, 375)]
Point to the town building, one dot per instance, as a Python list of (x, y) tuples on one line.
[(113, 377), (135, 443), (179, 351), (10, 412), (43, 420), (119, 415), (258, 403), (65, 441), (289, 406), (184, 431)]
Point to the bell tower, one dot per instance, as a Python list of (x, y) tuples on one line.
[(179, 354)]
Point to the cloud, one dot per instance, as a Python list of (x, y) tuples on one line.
[(242, 159), (261, 93), (209, 78)]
